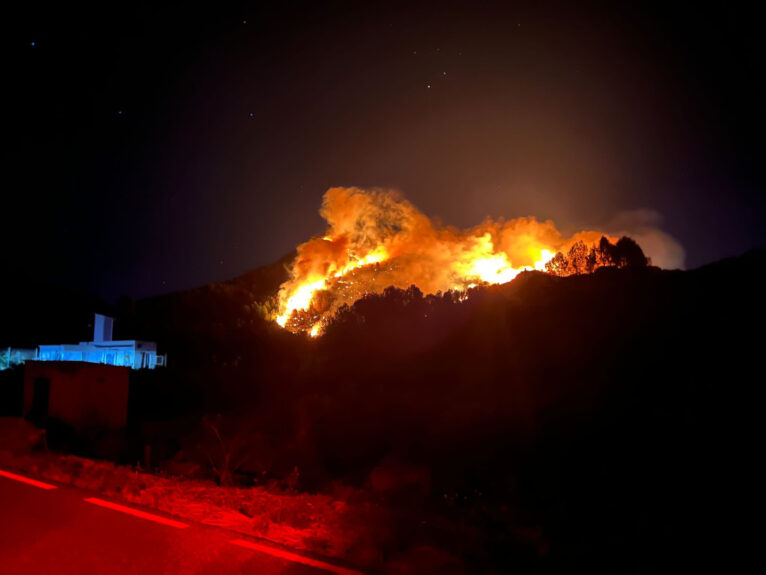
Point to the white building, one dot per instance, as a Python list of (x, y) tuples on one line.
[(131, 353)]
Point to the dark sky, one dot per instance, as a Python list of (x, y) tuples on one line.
[(156, 148)]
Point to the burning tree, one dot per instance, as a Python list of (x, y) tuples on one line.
[(580, 259)]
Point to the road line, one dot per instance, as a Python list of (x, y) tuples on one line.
[(294, 557), (26, 480), (135, 512)]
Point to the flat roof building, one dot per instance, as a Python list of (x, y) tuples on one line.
[(104, 350)]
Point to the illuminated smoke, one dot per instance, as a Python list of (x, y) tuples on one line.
[(643, 226)]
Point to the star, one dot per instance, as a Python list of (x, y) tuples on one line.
[(33, 44), (251, 115)]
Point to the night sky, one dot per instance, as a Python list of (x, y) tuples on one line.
[(159, 148)]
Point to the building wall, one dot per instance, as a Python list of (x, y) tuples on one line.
[(83, 395), (136, 354)]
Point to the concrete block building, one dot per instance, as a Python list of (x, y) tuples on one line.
[(83, 395)]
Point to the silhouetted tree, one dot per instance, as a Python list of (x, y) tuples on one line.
[(630, 254), (582, 260), (606, 253), (558, 265)]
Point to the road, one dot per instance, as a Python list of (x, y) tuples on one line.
[(61, 530)]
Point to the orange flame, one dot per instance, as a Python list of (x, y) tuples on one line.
[(377, 239)]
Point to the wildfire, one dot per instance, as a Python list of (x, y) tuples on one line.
[(377, 239), (304, 294)]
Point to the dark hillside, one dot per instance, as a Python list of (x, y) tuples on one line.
[(592, 421), (220, 348), (604, 407)]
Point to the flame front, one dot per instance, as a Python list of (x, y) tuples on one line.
[(302, 296), (377, 239)]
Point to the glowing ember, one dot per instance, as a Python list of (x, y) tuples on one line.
[(377, 239)]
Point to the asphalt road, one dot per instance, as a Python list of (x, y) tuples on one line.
[(47, 531)]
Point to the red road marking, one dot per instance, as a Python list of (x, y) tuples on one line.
[(295, 557), (136, 512), (26, 480)]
